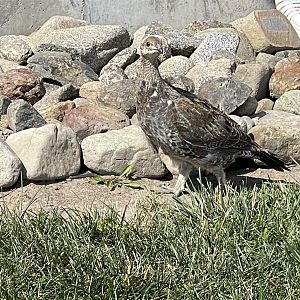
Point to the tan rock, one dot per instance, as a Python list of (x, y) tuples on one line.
[(286, 76), (268, 31)]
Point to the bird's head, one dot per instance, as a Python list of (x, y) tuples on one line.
[(152, 47)]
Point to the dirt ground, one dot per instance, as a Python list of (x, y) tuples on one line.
[(81, 195)]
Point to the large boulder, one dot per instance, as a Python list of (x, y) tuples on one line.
[(225, 94), (121, 94), (60, 67), (21, 115), (22, 83), (256, 76), (48, 152), (289, 102), (94, 45), (279, 132), (286, 76), (220, 40), (14, 48), (86, 120), (268, 31), (10, 166), (110, 152)]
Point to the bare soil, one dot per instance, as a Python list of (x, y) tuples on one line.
[(79, 194)]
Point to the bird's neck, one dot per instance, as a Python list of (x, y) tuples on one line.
[(150, 72)]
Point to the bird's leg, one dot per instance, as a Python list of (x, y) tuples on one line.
[(184, 172), (221, 176)]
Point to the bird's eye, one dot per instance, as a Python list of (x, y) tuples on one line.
[(148, 44)]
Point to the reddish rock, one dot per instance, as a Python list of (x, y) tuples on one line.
[(286, 75), (22, 83), (58, 110), (91, 119)]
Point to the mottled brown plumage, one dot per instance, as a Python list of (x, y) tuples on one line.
[(188, 129)]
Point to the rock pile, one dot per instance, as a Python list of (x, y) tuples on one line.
[(68, 91)]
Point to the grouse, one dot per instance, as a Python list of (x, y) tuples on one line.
[(189, 130)]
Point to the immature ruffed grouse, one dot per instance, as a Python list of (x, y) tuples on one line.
[(189, 130)]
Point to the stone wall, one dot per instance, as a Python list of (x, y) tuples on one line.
[(24, 16)]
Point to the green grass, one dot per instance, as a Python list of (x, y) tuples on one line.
[(244, 245)]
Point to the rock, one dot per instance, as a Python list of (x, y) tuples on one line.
[(201, 73), (285, 53), (198, 26), (83, 101), (121, 94), (48, 152), (60, 67), (219, 39), (124, 58), (247, 108), (50, 87), (58, 111), (88, 120), (279, 132), (7, 65), (22, 83), (225, 93), (286, 76), (94, 45), (111, 73), (64, 93), (138, 36), (268, 31), (54, 23), (268, 60), (182, 82), (21, 115), (5, 132), (10, 166), (176, 65), (264, 104), (14, 48), (4, 103), (289, 102), (110, 152), (256, 76)]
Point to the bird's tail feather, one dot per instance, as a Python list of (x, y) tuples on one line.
[(271, 160)]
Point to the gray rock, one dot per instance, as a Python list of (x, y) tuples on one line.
[(83, 101), (124, 58), (54, 23), (111, 73), (21, 115), (4, 103), (176, 65), (219, 39), (48, 152), (268, 60), (14, 48), (201, 73), (87, 120), (121, 94), (285, 53), (225, 93), (264, 104), (94, 45), (64, 93), (60, 67), (256, 76), (5, 132), (289, 102), (279, 132), (110, 152), (50, 87), (10, 166)]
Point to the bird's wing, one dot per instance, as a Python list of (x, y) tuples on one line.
[(204, 127)]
